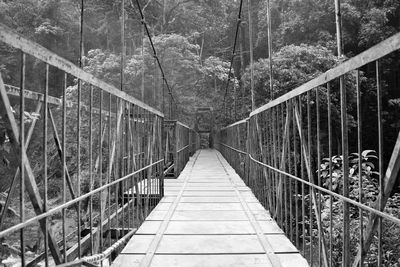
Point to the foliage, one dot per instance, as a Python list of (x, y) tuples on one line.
[(292, 66), (332, 177), (365, 23)]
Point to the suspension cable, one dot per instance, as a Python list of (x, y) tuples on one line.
[(143, 21), (239, 19), (269, 29), (123, 51), (253, 101), (81, 34)]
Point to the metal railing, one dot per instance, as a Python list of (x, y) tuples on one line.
[(101, 158), (194, 141), (180, 143), (231, 141), (309, 163)]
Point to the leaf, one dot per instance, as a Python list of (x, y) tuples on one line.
[(366, 153), (6, 162)]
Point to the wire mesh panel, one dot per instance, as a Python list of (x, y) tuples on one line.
[(94, 170), (324, 160)]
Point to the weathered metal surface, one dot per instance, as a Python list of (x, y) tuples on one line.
[(15, 40), (372, 54)]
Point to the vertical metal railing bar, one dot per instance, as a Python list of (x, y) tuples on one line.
[(359, 150), (131, 161), (91, 168), (345, 154), (113, 167), (128, 162), (78, 129), (22, 148), (296, 189), (153, 158), (140, 159), (285, 151), (271, 158), (279, 160), (144, 160), (161, 185), (261, 149), (311, 260), (64, 177), (261, 173), (274, 143), (116, 160), (122, 160), (278, 154), (148, 160), (135, 159), (78, 166), (100, 172), (121, 171), (290, 189), (109, 137), (45, 204), (380, 156), (329, 105), (146, 150), (302, 174), (279, 147), (135, 197), (317, 106)]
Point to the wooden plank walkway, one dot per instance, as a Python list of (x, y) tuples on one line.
[(210, 218)]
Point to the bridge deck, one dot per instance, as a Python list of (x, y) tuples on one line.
[(209, 217)]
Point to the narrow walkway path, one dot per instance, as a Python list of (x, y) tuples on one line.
[(209, 218)]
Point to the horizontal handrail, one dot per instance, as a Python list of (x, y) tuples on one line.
[(235, 123), (370, 55), (15, 40), (179, 123), (322, 189), (73, 201), (183, 148), (234, 149)]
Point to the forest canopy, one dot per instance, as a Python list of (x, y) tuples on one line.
[(194, 42)]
